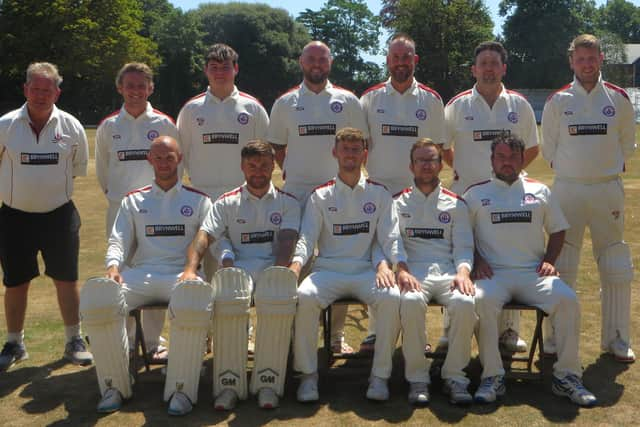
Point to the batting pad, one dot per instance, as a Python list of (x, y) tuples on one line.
[(190, 313), (616, 274), (232, 298), (275, 298), (103, 310)]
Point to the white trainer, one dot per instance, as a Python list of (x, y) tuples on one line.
[(418, 393), (226, 400), (267, 398), (621, 351), (378, 389), (457, 392), (490, 389), (572, 387), (308, 388), (510, 341), (180, 404), (111, 401)]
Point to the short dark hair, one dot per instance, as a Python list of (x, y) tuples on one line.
[(404, 37), (257, 147), (351, 135), (221, 52), (514, 142), (491, 45), (588, 41), (134, 67), (424, 143)]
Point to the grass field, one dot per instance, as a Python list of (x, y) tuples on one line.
[(46, 391)]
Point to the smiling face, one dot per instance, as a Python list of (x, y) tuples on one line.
[(135, 89), (401, 60), (41, 93), (426, 165), (315, 63), (164, 156), (221, 74), (488, 68), (257, 171), (586, 63), (350, 155), (506, 163)]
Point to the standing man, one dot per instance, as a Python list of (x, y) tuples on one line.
[(398, 112), (344, 217), (123, 138), (153, 229), (41, 150), (473, 119), (510, 216), (259, 224), (303, 126), (435, 229), (588, 132)]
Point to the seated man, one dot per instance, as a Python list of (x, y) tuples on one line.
[(435, 229), (509, 215), (153, 228), (343, 218), (256, 226)]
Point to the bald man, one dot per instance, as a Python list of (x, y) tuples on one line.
[(153, 229), (302, 129)]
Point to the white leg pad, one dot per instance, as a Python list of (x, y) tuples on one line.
[(104, 312), (232, 299), (190, 310), (616, 274), (275, 298), (567, 264)]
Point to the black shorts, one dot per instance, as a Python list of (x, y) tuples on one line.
[(55, 234)]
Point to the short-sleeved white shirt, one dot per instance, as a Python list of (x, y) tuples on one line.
[(36, 171), (250, 223), (588, 135), (306, 123), (122, 145), (159, 225), (471, 126), (509, 221), (344, 223), (212, 134), (396, 120)]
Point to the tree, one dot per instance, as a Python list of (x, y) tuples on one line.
[(88, 40), (622, 18), (350, 29), (537, 35), (268, 40), (446, 33)]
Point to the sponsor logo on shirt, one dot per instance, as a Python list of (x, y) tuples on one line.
[(200, 121), (405, 215), (489, 134), (116, 136), (336, 107), (512, 117), (609, 111), (424, 233), (161, 230), (444, 217), (256, 237), (220, 138), (380, 111), (332, 209), (349, 229), (275, 218), (39, 158), (514, 216), (311, 130), (594, 129), (241, 221), (468, 117), (243, 118), (126, 155), (400, 130), (369, 207), (299, 108), (152, 134), (568, 113), (421, 114), (186, 210)]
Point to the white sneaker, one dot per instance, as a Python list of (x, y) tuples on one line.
[(267, 398), (308, 388), (457, 392), (621, 351), (418, 393), (511, 342), (490, 389), (226, 400), (180, 404), (378, 389), (111, 401), (572, 387)]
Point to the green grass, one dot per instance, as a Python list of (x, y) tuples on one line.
[(46, 391)]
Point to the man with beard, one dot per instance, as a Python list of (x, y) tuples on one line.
[(398, 111), (588, 133), (303, 125), (510, 216), (473, 119)]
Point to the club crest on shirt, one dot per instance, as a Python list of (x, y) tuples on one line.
[(336, 107), (56, 138), (444, 217), (200, 121), (152, 134), (421, 114), (243, 118), (485, 202), (186, 210), (275, 218), (369, 208), (615, 214), (529, 199), (512, 117), (609, 111)]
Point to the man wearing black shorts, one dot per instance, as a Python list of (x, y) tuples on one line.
[(41, 149)]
